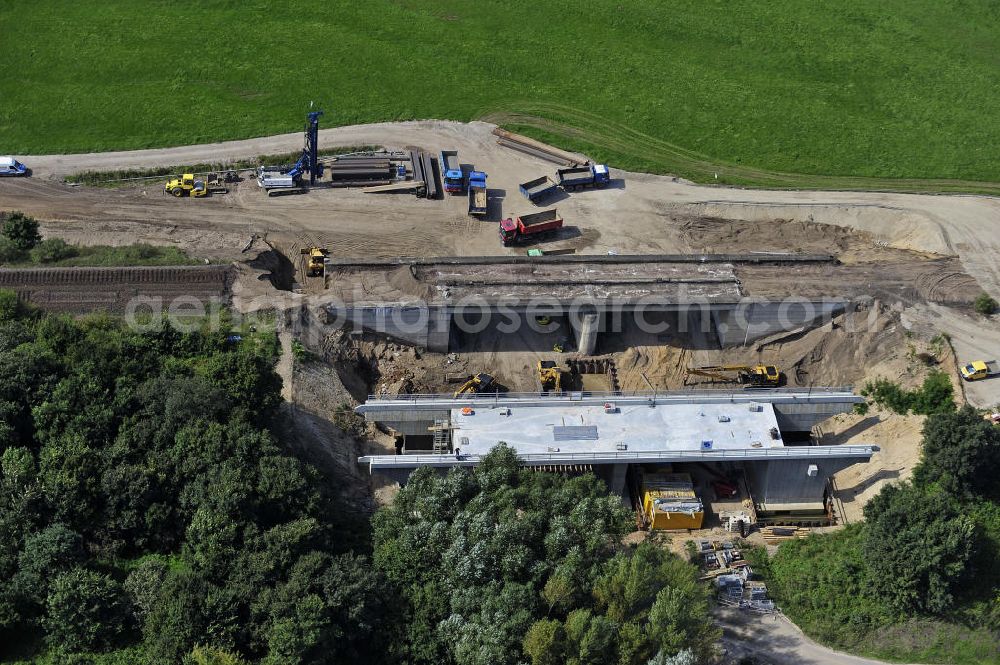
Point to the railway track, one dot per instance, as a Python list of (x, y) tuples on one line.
[(83, 290)]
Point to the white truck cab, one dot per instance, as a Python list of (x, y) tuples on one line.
[(10, 166)]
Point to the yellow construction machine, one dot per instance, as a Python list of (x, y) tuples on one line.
[(758, 376), (549, 376), (315, 261), (186, 185), (479, 383)]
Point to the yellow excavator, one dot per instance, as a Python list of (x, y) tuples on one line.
[(549, 376), (477, 384), (757, 376), (315, 258)]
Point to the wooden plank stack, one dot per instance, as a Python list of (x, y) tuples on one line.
[(778, 534)]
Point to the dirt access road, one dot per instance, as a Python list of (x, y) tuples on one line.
[(638, 213), (965, 226), (777, 641)]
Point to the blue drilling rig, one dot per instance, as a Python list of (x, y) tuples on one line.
[(309, 161), (277, 180)]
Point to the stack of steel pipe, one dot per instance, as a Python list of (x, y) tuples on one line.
[(361, 168), (423, 171), (431, 189), (418, 165), (538, 149)]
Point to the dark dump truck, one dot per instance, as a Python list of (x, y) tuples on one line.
[(516, 230), (537, 189), (578, 177)]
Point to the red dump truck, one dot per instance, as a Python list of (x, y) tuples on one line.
[(519, 229)]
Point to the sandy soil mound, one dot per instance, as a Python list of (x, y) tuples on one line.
[(405, 282), (897, 227)]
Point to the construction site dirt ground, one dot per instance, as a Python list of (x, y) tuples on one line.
[(919, 258)]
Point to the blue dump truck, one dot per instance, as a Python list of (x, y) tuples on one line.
[(477, 193), (537, 189), (451, 172), (578, 177)]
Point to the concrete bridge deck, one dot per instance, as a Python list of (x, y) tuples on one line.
[(733, 296), (610, 432), (620, 280)]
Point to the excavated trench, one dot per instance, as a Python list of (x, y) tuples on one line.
[(275, 267)]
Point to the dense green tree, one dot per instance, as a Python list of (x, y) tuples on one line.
[(20, 229), (677, 621), (486, 533), (917, 546), (26, 575), (212, 656), (158, 452), (68, 474), (30, 373), (78, 407), (645, 601), (599, 643), (248, 379), (46, 554), (143, 585), (545, 643), (85, 610), (144, 444), (332, 610), (17, 331), (504, 564), (22, 508), (961, 454), (177, 621), (132, 515)]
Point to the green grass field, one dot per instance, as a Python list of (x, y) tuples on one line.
[(753, 91)]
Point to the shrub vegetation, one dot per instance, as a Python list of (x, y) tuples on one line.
[(985, 304), (917, 581), (935, 395)]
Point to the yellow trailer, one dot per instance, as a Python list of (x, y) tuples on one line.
[(669, 502)]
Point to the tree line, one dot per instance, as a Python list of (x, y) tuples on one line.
[(150, 513)]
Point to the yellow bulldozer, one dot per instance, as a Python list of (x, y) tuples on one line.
[(315, 261), (549, 376), (757, 376)]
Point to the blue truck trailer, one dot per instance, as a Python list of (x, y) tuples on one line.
[(537, 189), (451, 172), (578, 177), (477, 194)]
